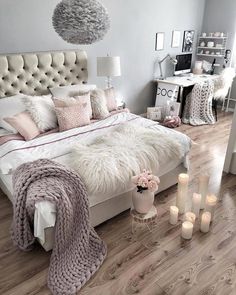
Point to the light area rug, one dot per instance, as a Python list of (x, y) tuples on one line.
[(110, 161)]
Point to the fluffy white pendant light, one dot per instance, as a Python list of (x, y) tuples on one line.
[(81, 21)]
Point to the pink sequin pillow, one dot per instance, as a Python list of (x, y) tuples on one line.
[(111, 99), (72, 116), (69, 101)]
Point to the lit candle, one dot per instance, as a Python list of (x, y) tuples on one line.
[(196, 204), (205, 222), (190, 216), (203, 188), (187, 230), (182, 192), (174, 211), (211, 201)]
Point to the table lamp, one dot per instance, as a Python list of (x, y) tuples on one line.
[(108, 66), (173, 60)]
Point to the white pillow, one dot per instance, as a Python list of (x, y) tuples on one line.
[(10, 106), (71, 90), (42, 111)]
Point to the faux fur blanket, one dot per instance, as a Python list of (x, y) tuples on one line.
[(110, 161), (78, 251)]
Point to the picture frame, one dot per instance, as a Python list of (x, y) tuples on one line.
[(188, 40), (174, 108), (160, 38), (175, 42), (154, 113)]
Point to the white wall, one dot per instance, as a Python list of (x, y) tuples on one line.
[(25, 26), (220, 16), (230, 158)]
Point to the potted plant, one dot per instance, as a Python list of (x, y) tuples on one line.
[(143, 195)]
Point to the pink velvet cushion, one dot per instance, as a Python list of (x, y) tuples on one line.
[(70, 101), (111, 99), (72, 116), (24, 124)]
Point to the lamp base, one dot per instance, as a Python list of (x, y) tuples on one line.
[(108, 82)]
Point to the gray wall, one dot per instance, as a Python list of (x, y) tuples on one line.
[(220, 16), (25, 26)]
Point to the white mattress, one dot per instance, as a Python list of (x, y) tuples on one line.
[(96, 199), (57, 147)]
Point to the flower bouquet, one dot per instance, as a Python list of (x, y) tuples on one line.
[(146, 181), (143, 195)]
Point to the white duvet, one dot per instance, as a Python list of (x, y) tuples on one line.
[(58, 147)]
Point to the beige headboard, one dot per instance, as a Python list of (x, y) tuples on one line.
[(34, 73)]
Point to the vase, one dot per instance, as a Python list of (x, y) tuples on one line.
[(142, 201)]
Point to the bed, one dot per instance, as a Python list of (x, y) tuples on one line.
[(34, 74)]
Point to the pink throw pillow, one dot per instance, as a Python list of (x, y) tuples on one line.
[(24, 124), (111, 99), (70, 101), (72, 116)]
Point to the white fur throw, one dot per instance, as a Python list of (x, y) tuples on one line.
[(109, 162), (99, 104), (42, 111)]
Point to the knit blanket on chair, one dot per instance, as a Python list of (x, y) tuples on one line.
[(198, 105), (78, 251)]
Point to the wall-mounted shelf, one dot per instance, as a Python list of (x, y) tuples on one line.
[(205, 51), (219, 48), (208, 37), (211, 55)]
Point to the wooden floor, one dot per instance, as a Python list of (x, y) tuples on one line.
[(150, 264)]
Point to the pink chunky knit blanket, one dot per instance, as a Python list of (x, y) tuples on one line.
[(78, 251)]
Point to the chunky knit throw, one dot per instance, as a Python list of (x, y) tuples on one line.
[(198, 106), (78, 251)]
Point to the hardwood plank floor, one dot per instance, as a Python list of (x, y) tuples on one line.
[(152, 264)]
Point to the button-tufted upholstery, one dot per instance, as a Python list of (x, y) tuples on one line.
[(35, 73)]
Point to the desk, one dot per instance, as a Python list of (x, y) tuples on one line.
[(185, 82)]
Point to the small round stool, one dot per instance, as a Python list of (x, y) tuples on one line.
[(148, 220)]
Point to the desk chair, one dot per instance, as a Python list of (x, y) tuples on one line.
[(222, 85)]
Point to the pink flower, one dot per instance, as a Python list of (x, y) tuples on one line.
[(135, 179), (157, 179), (142, 181), (146, 180), (152, 186)]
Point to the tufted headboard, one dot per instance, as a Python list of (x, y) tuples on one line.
[(35, 73)]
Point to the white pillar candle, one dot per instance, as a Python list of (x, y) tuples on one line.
[(205, 222), (182, 193), (196, 204), (211, 201), (187, 230), (174, 212), (190, 216), (203, 188)]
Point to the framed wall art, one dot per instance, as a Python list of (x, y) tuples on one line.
[(160, 38), (175, 42), (188, 41)]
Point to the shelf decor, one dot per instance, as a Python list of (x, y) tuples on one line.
[(212, 45), (81, 21)]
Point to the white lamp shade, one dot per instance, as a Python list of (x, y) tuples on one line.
[(108, 66)]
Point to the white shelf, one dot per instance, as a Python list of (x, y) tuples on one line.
[(219, 48), (208, 37), (212, 55)]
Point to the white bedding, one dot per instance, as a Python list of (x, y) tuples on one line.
[(57, 146)]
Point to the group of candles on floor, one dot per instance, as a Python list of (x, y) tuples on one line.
[(200, 200)]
